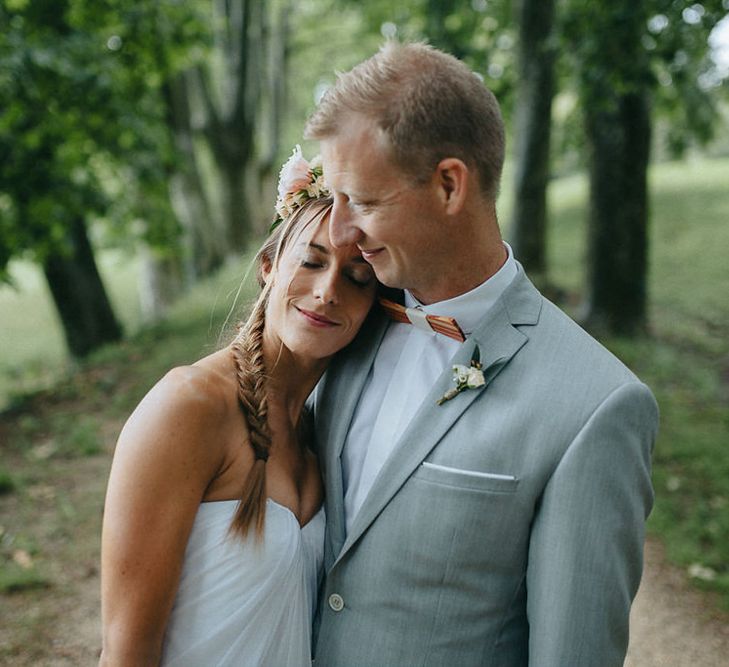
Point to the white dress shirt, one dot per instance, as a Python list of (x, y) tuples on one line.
[(407, 364)]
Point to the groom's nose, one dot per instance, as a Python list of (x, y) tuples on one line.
[(342, 224)]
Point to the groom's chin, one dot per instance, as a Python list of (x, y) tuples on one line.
[(389, 285), (386, 277)]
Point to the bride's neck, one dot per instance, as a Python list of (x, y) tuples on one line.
[(290, 380)]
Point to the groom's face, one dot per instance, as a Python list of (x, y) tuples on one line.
[(392, 220)]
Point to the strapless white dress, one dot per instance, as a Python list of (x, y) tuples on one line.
[(246, 602)]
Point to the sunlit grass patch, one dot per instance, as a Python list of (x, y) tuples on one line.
[(15, 579), (19, 570)]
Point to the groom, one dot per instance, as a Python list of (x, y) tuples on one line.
[(497, 520)]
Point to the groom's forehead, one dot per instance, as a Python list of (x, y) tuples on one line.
[(358, 134), (357, 166)]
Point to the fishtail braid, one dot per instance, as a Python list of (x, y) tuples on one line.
[(247, 351)]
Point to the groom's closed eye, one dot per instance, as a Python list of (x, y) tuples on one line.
[(361, 205)]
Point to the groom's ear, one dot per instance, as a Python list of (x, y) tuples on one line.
[(451, 176)]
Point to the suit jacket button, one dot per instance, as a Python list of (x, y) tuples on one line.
[(336, 602)]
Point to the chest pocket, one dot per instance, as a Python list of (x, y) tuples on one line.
[(466, 520), (467, 479)]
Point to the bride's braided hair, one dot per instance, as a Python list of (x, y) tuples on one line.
[(247, 352)]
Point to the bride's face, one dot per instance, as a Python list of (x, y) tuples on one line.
[(320, 294)]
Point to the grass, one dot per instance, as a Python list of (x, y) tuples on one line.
[(7, 482), (14, 578), (61, 419)]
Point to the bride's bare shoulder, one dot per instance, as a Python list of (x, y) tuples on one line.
[(200, 396), (178, 438)]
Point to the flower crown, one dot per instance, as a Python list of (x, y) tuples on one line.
[(298, 182)]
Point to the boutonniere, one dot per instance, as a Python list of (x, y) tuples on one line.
[(465, 377)]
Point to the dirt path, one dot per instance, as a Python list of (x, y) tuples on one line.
[(672, 625)]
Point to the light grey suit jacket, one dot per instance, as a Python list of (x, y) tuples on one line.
[(458, 567)]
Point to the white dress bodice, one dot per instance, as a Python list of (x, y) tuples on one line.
[(242, 601)]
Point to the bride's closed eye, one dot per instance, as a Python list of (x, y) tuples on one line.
[(311, 260), (361, 278)]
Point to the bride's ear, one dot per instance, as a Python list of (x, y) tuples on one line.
[(266, 268)]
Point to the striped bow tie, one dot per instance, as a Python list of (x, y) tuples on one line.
[(438, 323)]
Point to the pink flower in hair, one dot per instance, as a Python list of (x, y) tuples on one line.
[(294, 174)]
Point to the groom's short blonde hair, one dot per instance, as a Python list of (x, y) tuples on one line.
[(429, 105)]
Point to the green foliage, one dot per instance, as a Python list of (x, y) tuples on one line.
[(478, 32), (687, 84), (82, 132), (659, 45)]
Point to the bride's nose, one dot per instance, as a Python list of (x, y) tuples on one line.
[(326, 288)]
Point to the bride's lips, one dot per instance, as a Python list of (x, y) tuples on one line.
[(316, 319)]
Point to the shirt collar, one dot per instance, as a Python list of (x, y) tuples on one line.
[(468, 308)]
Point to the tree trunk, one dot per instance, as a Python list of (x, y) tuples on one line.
[(79, 295), (535, 90), (230, 96), (618, 134), (274, 88), (204, 240), (236, 211), (615, 91), (161, 281)]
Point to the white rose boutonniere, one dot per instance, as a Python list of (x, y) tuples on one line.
[(465, 377), (475, 377)]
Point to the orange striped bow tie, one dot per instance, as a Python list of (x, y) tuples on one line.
[(438, 323)]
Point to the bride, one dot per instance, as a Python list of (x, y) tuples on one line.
[(213, 522)]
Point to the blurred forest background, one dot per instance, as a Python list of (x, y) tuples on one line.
[(140, 143)]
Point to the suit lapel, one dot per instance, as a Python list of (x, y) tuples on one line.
[(340, 392), (498, 341)]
